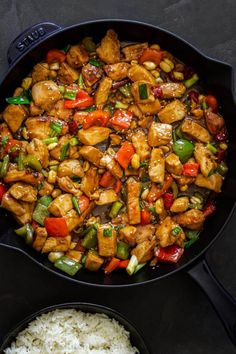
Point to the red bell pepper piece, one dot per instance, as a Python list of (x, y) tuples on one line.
[(123, 264), (13, 147), (155, 192), (117, 186), (107, 180), (83, 100), (150, 54), (170, 254), (83, 203), (191, 169), (145, 217), (55, 55), (121, 119), (56, 227), (168, 199), (3, 190), (209, 209), (124, 154), (211, 101), (98, 117), (112, 265)]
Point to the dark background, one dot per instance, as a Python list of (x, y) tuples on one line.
[(173, 314)]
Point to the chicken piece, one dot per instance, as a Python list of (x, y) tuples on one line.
[(183, 180), (111, 164), (93, 135), (33, 178), (59, 111), (27, 216), (109, 49), (40, 72), (144, 251), (134, 51), (67, 185), (115, 139), (205, 158), (93, 261), (91, 154), (172, 89), (107, 197), (213, 182), (150, 108), (45, 94), (139, 73), (70, 168), (139, 140), (14, 115), (156, 169), (172, 112), (165, 234), (11, 204), (214, 121), (46, 188), (37, 148), (75, 255), (180, 205), (40, 238), (128, 234), (35, 110), (192, 219), (133, 194), (146, 122), (56, 152), (91, 74), (89, 183), (77, 56), (61, 205), (196, 131), (145, 232), (24, 192), (159, 134), (106, 244), (103, 91), (57, 244), (73, 220), (38, 127), (135, 87), (173, 164), (117, 71), (67, 75)]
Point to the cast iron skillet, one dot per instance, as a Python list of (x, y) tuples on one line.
[(135, 337), (32, 45)]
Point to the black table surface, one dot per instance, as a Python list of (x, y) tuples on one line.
[(173, 314)]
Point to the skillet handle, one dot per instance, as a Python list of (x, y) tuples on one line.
[(27, 39), (223, 303)]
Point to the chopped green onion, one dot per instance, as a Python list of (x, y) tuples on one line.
[(121, 105), (212, 172), (66, 48), (56, 128), (125, 90), (116, 206), (81, 82), (193, 236), (95, 62), (222, 169), (18, 100), (40, 213), (90, 239), (190, 82), (139, 266), (4, 166), (5, 140), (75, 178), (175, 189), (61, 89), (144, 164), (132, 265), (176, 231), (142, 89), (74, 141), (90, 109), (64, 151), (152, 210), (204, 105), (76, 204), (70, 94), (122, 250), (49, 141), (107, 232), (68, 265), (212, 148)]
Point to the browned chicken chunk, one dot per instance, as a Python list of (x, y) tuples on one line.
[(89, 183), (109, 50), (159, 134), (67, 75), (56, 244), (33, 178), (91, 154), (156, 169), (173, 164), (93, 135), (77, 56), (103, 91), (38, 127), (133, 193), (213, 182), (192, 219), (59, 111), (37, 148), (45, 94), (165, 234), (40, 72), (24, 192), (61, 205), (40, 238), (139, 140), (14, 115), (205, 158), (106, 243), (196, 131), (70, 168), (172, 89), (172, 112), (117, 71), (144, 251), (91, 74), (134, 51), (139, 73)]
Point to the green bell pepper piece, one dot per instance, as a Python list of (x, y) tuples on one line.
[(32, 161), (90, 240), (190, 82), (115, 209), (4, 166), (67, 265), (184, 149), (40, 213), (27, 232), (122, 250), (45, 200)]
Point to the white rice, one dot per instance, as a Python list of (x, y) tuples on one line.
[(67, 331)]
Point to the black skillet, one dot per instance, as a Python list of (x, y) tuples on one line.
[(217, 78), (135, 337)]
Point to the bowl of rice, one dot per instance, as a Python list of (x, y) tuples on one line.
[(78, 328)]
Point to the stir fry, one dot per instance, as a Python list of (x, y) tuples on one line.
[(111, 156)]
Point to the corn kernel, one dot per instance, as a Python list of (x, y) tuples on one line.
[(56, 192), (178, 75), (155, 73), (184, 188), (26, 83), (54, 66), (223, 146), (52, 177), (155, 46), (159, 206), (169, 62), (134, 62), (86, 166), (145, 194), (149, 65)]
